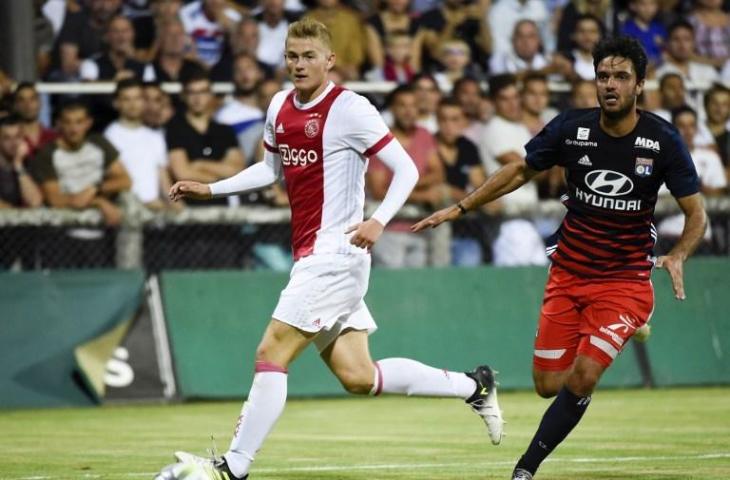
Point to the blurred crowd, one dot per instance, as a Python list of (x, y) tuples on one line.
[(473, 82)]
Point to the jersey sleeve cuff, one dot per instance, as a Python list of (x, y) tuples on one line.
[(379, 145), (270, 148)]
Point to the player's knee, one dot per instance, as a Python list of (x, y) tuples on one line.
[(546, 388), (583, 381), (263, 352), (355, 382)]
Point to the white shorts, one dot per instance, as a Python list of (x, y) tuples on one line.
[(325, 294)]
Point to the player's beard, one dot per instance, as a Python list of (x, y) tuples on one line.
[(621, 113)]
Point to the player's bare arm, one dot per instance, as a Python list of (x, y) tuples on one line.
[(695, 224), (505, 180)]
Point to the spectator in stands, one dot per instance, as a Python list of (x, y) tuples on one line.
[(27, 105), (504, 16), (80, 171), (577, 9), (707, 161), (680, 54), (453, 19), (200, 148), (468, 92), (267, 90), (536, 113), (43, 39), (207, 22), (712, 31), (6, 89), (82, 36), (463, 172), (645, 26), (505, 136), (349, 41), (578, 63), (17, 187), (535, 97), (146, 27), (244, 40), (583, 94), (713, 181), (525, 54), (242, 112), (672, 95), (725, 74), (158, 109), (117, 61), (397, 64), (172, 63), (717, 106), (142, 150), (398, 247), (393, 18), (428, 96), (455, 57), (273, 22)]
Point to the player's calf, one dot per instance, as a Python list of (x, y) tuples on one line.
[(356, 381)]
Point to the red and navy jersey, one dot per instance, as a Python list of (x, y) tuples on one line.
[(613, 182)]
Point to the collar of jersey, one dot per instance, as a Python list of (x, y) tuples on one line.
[(312, 103)]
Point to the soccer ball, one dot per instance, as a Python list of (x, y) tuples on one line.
[(183, 471), (642, 333)]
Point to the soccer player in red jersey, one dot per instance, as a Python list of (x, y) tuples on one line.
[(319, 136), (598, 291)]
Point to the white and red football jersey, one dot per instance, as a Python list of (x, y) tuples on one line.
[(323, 147)]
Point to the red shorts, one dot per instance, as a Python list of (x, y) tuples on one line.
[(592, 317)]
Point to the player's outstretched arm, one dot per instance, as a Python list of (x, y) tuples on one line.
[(695, 223), (505, 180), (189, 189), (255, 177)]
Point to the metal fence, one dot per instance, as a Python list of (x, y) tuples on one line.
[(245, 237)]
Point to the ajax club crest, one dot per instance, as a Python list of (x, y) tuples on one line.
[(311, 128)]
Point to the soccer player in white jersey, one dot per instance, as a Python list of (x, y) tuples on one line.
[(319, 136)]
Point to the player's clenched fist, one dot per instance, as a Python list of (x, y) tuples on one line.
[(437, 218), (366, 233), (188, 189)]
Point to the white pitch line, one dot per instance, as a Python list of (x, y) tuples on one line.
[(414, 466)]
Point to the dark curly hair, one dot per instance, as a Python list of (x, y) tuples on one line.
[(626, 47)]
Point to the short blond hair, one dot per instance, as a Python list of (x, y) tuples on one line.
[(310, 28)]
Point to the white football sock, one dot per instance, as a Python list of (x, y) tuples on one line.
[(409, 377), (260, 412)]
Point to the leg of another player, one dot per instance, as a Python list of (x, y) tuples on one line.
[(349, 359), (563, 414), (280, 345)]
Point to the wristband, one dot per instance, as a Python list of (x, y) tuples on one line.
[(461, 208)]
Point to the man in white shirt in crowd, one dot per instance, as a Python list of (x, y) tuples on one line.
[(504, 14), (680, 51), (142, 150), (712, 179), (525, 53), (504, 139)]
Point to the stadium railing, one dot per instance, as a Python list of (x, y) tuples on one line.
[(248, 236)]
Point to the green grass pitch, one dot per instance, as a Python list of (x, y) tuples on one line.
[(626, 434)]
